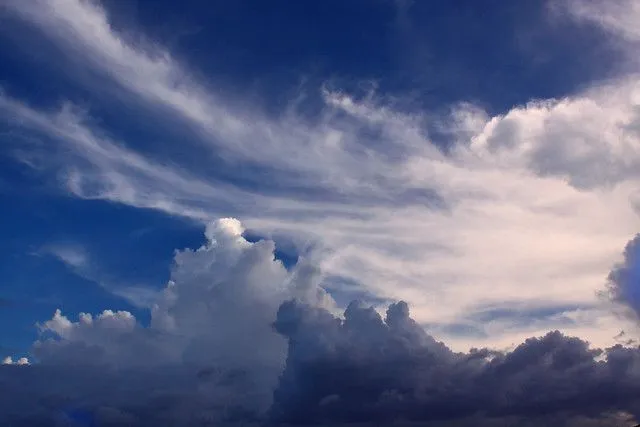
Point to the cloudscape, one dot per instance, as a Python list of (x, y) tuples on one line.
[(339, 212)]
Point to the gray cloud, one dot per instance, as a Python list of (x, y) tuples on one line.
[(517, 315), (624, 279), (366, 369)]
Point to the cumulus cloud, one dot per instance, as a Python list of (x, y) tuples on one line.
[(624, 279), (210, 349), (20, 362), (366, 369)]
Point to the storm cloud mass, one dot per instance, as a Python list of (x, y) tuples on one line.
[(237, 338), (624, 279), (367, 369)]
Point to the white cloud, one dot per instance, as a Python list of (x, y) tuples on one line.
[(215, 314), (537, 202), (619, 17), (20, 362), (71, 255)]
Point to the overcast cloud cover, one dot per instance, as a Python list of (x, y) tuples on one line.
[(491, 249)]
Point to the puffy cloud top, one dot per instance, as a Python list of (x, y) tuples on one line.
[(211, 327), (364, 369)]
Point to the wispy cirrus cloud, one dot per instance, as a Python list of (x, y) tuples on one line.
[(619, 17), (79, 261), (533, 204), (72, 255)]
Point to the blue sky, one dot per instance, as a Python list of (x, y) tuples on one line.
[(438, 69), (173, 175)]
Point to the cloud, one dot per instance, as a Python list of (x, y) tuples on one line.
[(527, 207), (619, 17), (210, 349), (238, 338), (20, 362), (508, 233), (366, 369), (624, 279), (73, 256)]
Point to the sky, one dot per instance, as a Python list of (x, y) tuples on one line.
[(315, 212)]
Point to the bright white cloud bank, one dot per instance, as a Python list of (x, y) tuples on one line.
[(533, 207), (213, 319)]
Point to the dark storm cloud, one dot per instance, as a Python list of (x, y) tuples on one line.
[(76, 395), (366, 369), (624, 279), (359, 369)]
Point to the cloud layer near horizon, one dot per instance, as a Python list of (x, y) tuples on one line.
[(235, 337)]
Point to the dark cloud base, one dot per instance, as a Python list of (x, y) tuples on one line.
[(624, 279), (365, 369), (360, 370)]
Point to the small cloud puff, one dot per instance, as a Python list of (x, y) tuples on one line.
[(20, 362)]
